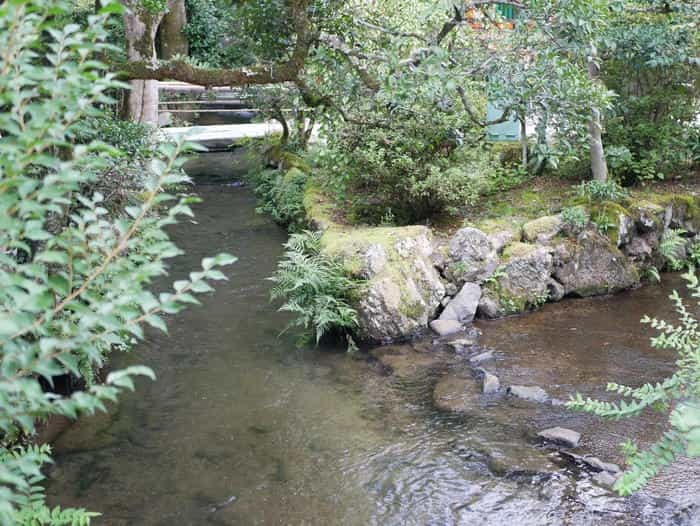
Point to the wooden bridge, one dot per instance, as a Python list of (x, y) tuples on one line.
[(177, 98), (222, 136)]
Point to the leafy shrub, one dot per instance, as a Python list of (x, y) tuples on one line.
[(658, 97), (599, 191), (574, 216), (417, 167), (314, 288), (73, 278), (677, 395)]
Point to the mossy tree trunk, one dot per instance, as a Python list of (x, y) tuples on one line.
[(140, 28), (173, 41)]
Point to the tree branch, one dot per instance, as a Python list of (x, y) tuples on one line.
[(287, 71), (475, 118), (351, 55)]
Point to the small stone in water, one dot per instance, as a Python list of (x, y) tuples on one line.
[(561, 435), (599, 465), (605, 479), (491, 383), (481, 357), (529, 393)]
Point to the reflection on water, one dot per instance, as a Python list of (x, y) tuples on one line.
[(243, 428)]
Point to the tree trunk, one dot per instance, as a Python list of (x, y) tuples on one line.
[(172, 40), (523, 142), (599, 166), (140, 27)]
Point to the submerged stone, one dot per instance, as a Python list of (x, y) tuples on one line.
[(481, 357), (529, 393), (491, 383), (456, 393)]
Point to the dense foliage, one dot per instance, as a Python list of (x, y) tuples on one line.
[(411, 170), (652, 65), (74, 276), (677, 395)]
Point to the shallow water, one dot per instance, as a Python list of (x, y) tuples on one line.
[(242, 427)]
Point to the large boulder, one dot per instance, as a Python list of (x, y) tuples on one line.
[(402, 291), (521, 282), (594, 266), (471, 256)]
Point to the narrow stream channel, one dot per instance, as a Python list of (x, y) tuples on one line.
[(242, 427)]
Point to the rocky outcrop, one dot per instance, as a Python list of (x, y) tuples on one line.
[(594, 266), (402, 289), (411, 281)]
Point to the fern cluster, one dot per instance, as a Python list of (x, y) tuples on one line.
[(281, 195), (671, 248), (677, 395), (315, 288)]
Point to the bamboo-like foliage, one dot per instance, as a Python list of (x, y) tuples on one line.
[(677, 395)]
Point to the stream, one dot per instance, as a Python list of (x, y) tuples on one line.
[(243, 427)]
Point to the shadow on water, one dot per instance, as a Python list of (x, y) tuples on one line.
[(242, 427)]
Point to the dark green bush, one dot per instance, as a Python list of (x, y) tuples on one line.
[(657, 89), (420, 166)]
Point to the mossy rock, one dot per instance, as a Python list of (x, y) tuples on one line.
[(290, 160), (518, 250), (402, 290), (684, 211), (543, 228), (613, 220)]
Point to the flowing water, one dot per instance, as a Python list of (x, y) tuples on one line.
[(242, 427)]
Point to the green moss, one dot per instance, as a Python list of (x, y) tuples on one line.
[(412, 310), (319, 209), (290, 160), (518, 250), (606, 216), (351, 240), (499, 224), (542, 225)]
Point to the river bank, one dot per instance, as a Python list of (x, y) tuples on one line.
[(316, 436)]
